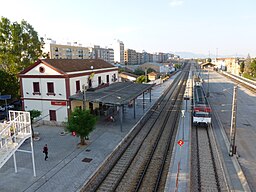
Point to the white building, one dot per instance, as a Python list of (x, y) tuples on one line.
[(47, 85), (118, 47)]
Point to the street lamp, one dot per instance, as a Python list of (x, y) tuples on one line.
[(183, 117), (91, 77), (146, 73), (208, 94)]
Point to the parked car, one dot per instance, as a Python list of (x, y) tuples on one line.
[(14, 105), (2, 108)]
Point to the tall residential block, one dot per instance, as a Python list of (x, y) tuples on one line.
[(118, 47)]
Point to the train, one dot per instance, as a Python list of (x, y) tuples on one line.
[(201, 109)]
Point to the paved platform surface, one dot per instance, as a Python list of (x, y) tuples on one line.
[(179, 171), (244, 166), (178, 178), (65, 170)]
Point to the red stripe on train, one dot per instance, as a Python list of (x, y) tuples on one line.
[(202, 109)]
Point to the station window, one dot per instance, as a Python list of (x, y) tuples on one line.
[(50, 88), (36, 88)]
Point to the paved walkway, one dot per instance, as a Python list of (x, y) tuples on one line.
[(65, 170)]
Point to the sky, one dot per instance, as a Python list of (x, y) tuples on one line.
[(210, 27)]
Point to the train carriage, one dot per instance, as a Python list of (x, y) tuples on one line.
[(201, 109)]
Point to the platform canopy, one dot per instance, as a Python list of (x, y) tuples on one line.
[(207, 65), (120, 93)]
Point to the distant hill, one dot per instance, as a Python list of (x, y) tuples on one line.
[(190, 55), (198, 55)]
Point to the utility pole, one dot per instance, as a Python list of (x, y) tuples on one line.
[(208, 94), (146, 74), (232, 149)]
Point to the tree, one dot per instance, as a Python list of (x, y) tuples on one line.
[(253, 68), (247, 64), (34, 114), (209, 60), (138, 72), (242, 67), (151, 70), (9, 84), (19, 45), (177, 65), (141, 79), (82, 122)]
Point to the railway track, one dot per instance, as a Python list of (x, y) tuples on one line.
[(207, 173), (141, 161), (243, 82)]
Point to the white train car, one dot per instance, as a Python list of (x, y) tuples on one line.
[(201, 109)]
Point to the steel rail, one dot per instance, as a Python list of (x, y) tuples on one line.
[(155, 107), (163, 126)]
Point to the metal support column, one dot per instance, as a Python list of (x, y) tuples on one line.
[(150, 95), (84, 96), (121, 117), (15, 163), (143, 101), (134, 111), (33, 157), (232, 149)]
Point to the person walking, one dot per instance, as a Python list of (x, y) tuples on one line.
[(45, 151)]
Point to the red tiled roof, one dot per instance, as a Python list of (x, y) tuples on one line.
[(72, 65)]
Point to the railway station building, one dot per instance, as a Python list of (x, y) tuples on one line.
[(56, 86)]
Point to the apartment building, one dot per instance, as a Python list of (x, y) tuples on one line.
[(77, 51), (47, 85), (68, 51), (118, 47), (160, 57), (146, 57), (231, 65), (130, 57), (106, 54), (140, 58)]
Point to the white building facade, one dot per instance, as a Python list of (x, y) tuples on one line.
[(118, 47), (47, 85)]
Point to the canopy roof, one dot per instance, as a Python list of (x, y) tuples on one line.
[(116, 94)]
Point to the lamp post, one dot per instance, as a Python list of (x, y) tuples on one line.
[(208, 94), (146, 73), (91, 77), (183, 117), (120, 112), (232, 148)]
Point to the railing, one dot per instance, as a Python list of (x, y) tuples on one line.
[(13, 133)]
